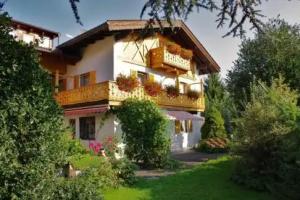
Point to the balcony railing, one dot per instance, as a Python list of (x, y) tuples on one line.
[(110, 91), (160, 58)]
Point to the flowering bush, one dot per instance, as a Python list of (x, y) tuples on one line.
[(186, 54), (110, 145), (172, 91), (127, 83), (152, 88), (174, 48), (95, 147), (193, 94)]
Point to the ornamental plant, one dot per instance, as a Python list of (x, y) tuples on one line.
[(173, 48), (186, 54), (267, 143), (152, 88), (144, 132), (127, 83), (193, 94), (172, 91)]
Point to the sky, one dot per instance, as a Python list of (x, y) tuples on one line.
[(57, 15)]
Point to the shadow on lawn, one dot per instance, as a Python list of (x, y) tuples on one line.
[(208, 181)]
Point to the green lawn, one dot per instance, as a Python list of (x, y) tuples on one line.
[(210, 181)]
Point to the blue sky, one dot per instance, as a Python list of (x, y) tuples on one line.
[(57, 15)]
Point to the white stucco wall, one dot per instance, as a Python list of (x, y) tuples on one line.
[(101, 131), (96, 57), (123, 66)]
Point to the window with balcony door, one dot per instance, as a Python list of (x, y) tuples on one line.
[(84, 79), (87, 128), (142, 77), (182, 88)]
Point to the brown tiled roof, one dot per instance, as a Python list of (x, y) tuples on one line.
[(112, 27)]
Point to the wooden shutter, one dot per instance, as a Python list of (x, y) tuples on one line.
[(76, 81), (92, 77), (177, 126), (133, 73), (189, 126), (64, 84)]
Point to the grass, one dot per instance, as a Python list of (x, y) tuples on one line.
[(209, 181)]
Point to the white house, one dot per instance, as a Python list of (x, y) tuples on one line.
[(85, 69)]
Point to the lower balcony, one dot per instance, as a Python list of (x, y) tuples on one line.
[(109, 91)]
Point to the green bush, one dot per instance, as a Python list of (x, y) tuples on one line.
[(78, 188), (214, 145), (214, 124), (99, 170), (268, 157), (144, 132), (31, 149), (73, 146), (125, 170)]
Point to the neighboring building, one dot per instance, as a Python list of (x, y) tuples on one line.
[(85, 68)]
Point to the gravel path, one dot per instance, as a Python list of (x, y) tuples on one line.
[(188, 158)]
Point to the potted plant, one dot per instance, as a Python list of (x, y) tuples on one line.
[(186, 54), (152, 88), (172, 91), (174, 48), (193, 94), (127, 83)]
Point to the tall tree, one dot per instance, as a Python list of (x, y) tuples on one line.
[(265, 57), (30, 120), (233, 13), (219, 109)]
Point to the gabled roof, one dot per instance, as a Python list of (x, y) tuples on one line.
[(35, 29), (182, 34)]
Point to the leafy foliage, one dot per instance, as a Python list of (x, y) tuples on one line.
[(98, 169), (144, 132), (31, 123), (77, 188), (125, 170), (219, 109), (268, 55), (269, 157), (234, 13)]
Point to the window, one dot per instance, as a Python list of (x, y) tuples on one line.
[(84, 79), (183, 126), (62, 85), (87, 128), (142, 77)]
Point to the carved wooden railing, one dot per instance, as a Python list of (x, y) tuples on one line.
[(110, 91)]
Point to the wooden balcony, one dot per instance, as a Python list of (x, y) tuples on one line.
[(163, 60), (109, 91)]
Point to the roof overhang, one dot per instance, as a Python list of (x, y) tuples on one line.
[(177, 30)]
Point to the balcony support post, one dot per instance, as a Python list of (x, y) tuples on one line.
[(56, 80)]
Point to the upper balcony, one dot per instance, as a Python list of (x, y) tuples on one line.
[(109, 91)]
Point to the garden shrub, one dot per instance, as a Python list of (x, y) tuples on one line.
[(125, 170), (144, 132), (78, 188), (31, 149), (214, 124), (214, 145), (268, 159), (97, 168)]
